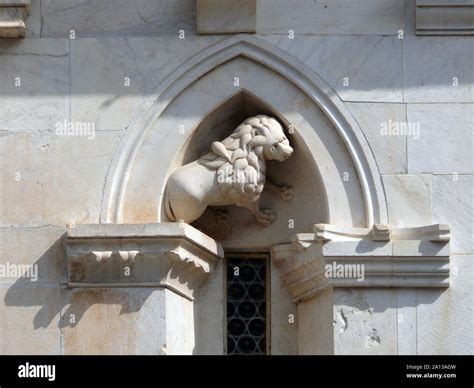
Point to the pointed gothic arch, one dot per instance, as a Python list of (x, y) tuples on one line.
[(125, 197)]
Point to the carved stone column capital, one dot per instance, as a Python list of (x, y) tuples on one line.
[(381, 256), (171, 255), (12, 18)]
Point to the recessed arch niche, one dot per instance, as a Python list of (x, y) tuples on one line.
[(235, 227), (334, 173)]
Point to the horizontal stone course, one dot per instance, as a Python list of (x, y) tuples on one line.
[(118, 17)]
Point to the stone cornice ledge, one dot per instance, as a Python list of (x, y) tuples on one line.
[(385, 256), (12, 18), (445, 17), (171, 255)]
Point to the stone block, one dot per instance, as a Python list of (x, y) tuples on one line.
[(35, 78), (211, 320), (284, 330), (315, 325), (358, 68), (445, 318), (49, 179), (365, 321), (382, 17), (453, 198), (406, 322), (33, 20), (41, 247), (114, 321), (408, 199), (446, 141), (388, 146), (226, 16), (429, 80), (29, 319), (109, 84)]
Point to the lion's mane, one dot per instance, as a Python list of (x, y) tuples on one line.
[(239, 162)]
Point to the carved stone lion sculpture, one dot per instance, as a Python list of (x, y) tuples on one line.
[(232, 173)]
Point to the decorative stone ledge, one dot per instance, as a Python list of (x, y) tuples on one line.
[(12, 18), (384, 256), (445, 17), (226, 16), (171, 255)]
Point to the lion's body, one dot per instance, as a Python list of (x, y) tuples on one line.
[(179, 191), (233, 173)]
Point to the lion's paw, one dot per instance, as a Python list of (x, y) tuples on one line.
[(287, 193), (266, 217)]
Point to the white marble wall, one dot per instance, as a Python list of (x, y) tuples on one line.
[(49, 180)]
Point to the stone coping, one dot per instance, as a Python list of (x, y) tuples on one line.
[(379, 257), (165, 229), (170, 255), (12, 18)]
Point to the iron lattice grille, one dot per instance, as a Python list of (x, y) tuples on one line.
[(246, 306)]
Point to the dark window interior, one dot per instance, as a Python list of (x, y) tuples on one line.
[(246, 305)]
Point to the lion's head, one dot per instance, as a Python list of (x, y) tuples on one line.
[(240, 158)]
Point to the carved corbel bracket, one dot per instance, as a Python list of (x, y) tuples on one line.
[(12, 18), (171, 255), (381, 256)]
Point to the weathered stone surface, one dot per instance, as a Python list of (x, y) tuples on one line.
[(35, 80), (446, 142), (14, 3), (33, 20), (229, 173), (12, 19), (284, 317), (371, 71), (427, 80), (118, 17), (445, 318), (388, 146), (315, 334), (39, 246), (406, 322), (127, 321), (29, 319), (383, 17), (409, 199), (365, 321), (170, 255), (230, 16), (48, 179), (102, 68), (209, 309), (180, 326), (115, 321), (453, 197), (314, 131)]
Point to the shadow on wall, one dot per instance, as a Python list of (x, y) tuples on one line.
[(55, 299), (64, 301), (424, 248)]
